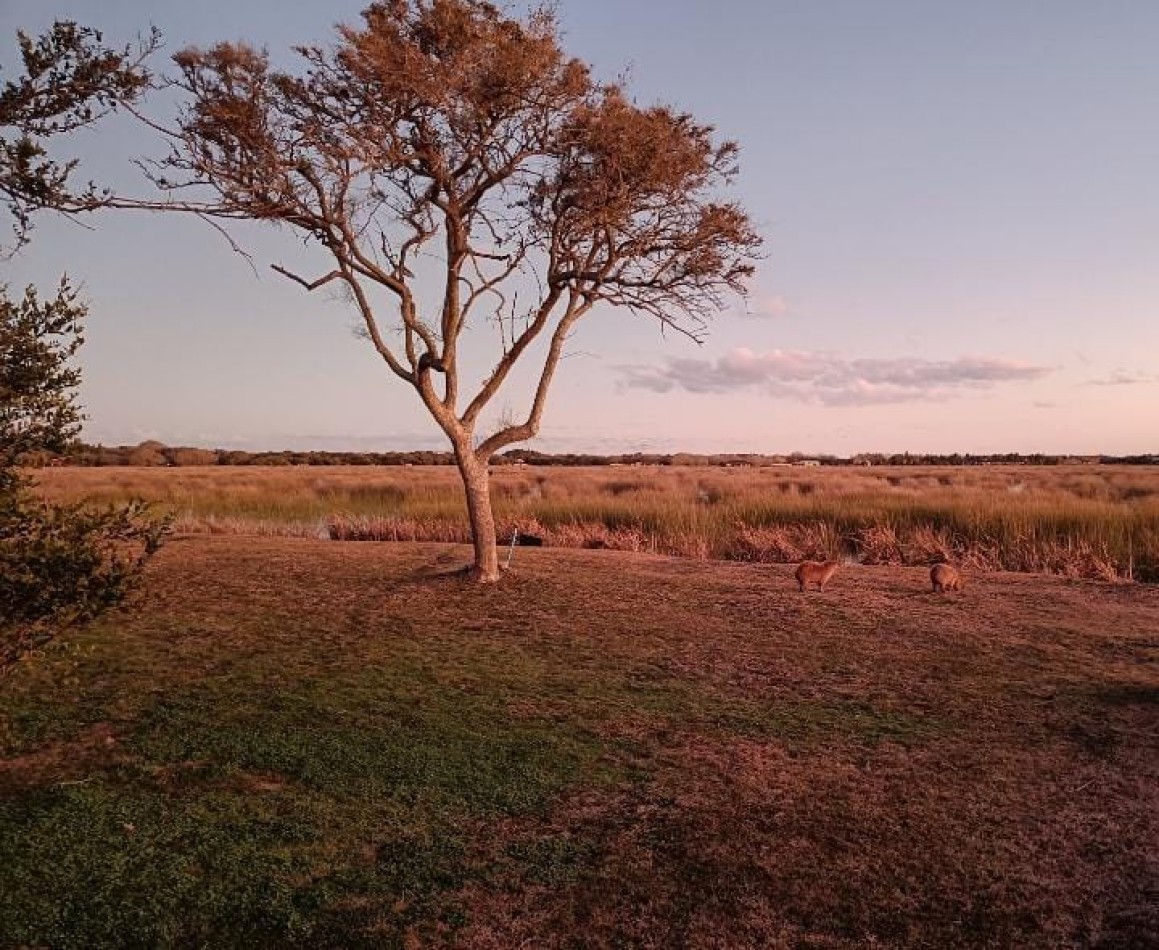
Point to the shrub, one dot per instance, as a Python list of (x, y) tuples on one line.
[(59, 564), (64, 565)]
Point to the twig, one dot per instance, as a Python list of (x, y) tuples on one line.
[(301, 280), (234, 246)]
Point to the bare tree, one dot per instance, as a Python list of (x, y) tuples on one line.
[(456, 164)]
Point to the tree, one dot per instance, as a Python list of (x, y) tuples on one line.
[(58, 564), (70, 80), (38, 411), (454, 164)]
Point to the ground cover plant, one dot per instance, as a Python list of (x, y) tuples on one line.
[(1082, 521), (298, 743)]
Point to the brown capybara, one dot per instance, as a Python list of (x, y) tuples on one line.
[(815, 572), (945, 577)]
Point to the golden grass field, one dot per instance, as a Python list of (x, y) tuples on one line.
[(1078, 521)]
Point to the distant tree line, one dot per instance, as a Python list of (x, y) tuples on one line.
[(153, 453)]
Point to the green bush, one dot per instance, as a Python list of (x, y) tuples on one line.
[(59, 565), (64, 565)]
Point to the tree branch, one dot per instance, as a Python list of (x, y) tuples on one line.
[(309, 285), (509, 359), (530, 427)]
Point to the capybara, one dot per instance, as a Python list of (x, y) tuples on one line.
[(815, 572), (945, 577)]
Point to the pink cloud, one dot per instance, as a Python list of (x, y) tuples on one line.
[(829, 378), (1123, 378)]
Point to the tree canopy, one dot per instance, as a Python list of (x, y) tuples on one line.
[(447, 128), (58, 564), (38, 339), (459, 168), (70, 80)]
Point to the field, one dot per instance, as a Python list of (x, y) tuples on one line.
[(293, 742), (1076, 521)]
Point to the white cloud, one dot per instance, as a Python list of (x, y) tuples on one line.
[(829, 378)]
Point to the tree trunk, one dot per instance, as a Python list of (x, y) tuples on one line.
[(477, 485)]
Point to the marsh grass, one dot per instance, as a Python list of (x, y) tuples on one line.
[(1078, 521)]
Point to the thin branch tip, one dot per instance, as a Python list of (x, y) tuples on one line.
[(309, 285)]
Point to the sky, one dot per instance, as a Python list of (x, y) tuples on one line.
[(960, 204)]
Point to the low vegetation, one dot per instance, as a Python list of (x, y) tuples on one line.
[(1078, 521), (298, 743), (59, 563)]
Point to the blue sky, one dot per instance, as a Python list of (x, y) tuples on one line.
[(960, 204)]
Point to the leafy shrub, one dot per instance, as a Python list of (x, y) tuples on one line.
[(64, 565), (59, 565)]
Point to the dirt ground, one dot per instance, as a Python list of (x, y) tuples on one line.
[(747, 765)]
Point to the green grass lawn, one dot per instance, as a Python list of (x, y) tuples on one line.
[(298, 743)]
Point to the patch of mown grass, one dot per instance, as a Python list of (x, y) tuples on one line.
[(119, 863), (1105, 718), (553, 859), (306, 744), (821, 723), (1127, 694), (113, 863), (335, 813), (26, 726), (46, 700), (335, 806), (366, 738), (684, 707)]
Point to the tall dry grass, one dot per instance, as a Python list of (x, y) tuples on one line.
[(1084, 521)]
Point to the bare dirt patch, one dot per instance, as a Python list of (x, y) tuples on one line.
[(59, 763)]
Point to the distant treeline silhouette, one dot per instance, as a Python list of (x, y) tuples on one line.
[(154, 453)]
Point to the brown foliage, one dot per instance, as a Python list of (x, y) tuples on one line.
[(733, 514), (451, 120)]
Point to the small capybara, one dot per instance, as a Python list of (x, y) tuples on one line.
[(815, 572), (945, 577)]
